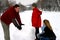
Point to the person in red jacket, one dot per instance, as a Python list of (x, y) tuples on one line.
[(36, 18), (11, 15)]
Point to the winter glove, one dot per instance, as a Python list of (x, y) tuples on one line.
[(19, 27), (21, 24)]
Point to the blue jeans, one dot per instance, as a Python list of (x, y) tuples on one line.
[(43, 38)]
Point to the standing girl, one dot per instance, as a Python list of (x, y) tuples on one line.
[(36, 18)]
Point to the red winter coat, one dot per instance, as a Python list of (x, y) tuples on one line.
[(36, 18), (10, 14)]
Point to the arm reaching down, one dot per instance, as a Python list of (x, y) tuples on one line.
[(18, 19), (16, 24)]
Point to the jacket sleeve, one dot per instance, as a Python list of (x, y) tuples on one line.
[(18, 19), (40, 12), (15, 22)]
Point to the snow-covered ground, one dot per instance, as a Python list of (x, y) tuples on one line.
[(27, 32)]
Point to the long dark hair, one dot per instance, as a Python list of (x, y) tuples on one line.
[(47, 23)]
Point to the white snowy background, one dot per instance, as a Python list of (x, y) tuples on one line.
[(28, 32)]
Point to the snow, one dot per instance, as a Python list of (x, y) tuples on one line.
[(28, 32)]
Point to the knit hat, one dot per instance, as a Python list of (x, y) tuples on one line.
[(34, 5)]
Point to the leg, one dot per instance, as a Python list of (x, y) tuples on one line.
[(36, 32), (6, 31)]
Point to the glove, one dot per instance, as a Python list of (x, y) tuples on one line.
[(21, 24), (19, 27)]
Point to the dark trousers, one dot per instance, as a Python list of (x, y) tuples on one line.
[(36, 32)]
